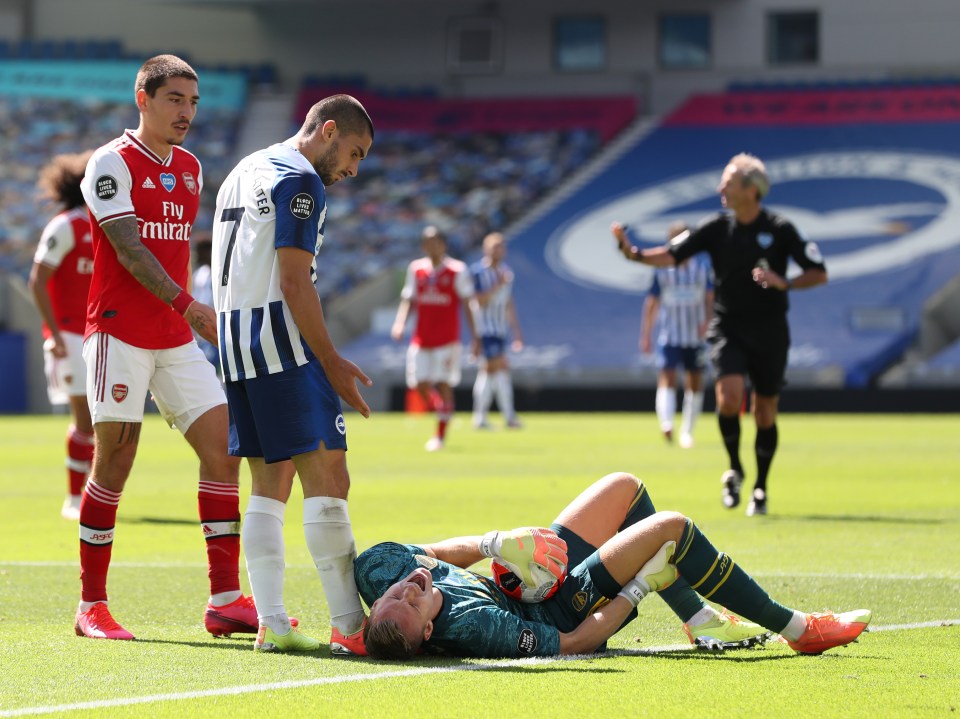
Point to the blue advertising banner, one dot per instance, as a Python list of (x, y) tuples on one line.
[(110, 81)]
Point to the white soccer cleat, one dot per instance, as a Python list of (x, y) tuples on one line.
[(434, 444), (71, 507), (686, 440)]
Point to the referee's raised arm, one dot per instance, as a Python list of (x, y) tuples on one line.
[(656, 256)]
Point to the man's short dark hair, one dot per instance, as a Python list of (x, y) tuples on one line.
[(345, 110), (384, 640), (155, 72)]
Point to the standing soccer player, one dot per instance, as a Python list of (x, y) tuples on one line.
[(437, 286), (142, 191), (680, 305), (496, 321), (282, 372), (59, 281), (749, 335)]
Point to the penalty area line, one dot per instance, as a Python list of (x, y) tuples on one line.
[(373, 676)]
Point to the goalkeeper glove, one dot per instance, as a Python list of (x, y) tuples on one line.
[(520, 548), (658, 573)]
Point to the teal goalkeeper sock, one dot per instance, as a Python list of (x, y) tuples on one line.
[(716, 577), (679, 596)]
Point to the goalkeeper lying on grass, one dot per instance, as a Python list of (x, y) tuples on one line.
[(617, 548)]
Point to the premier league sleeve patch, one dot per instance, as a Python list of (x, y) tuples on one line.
[(301, 206), (812, 251), (107, 187)]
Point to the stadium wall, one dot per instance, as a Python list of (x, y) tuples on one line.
[(408, 44), (630, 398)]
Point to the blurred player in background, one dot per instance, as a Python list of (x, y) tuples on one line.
[(749, 247), (679, 305), (59, 281), (495, 317), (437, 287), (282, 372), (618, 549), (143, 191), (201, 287)]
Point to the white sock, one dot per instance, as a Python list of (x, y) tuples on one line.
[(795, 627), (262, 539), (703, 616), (329, 535), (692, 405), (482, 397), (224, 598), (504, 387), (666, 405), (87, 606)]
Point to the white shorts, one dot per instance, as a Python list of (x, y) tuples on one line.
[(183, 383), (435, 365), (67, 376)]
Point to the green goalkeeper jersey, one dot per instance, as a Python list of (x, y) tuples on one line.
[(477, 619)]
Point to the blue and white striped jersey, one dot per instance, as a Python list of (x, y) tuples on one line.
[(682, 291), (272, 198), (491, 320)]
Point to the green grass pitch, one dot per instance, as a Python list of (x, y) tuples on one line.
[(865, 512)]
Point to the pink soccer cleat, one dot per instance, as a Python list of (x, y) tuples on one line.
[(97, 623), (238, 617)]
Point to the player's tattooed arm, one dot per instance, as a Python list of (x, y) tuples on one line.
[(124, 235)]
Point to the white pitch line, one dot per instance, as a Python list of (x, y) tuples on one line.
[(768, 575), (416, 672)]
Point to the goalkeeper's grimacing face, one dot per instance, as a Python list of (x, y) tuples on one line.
[(411, 603)]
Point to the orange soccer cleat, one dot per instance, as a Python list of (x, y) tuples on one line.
[(350, 645), (827, 630)]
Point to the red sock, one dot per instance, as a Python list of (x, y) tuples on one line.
[(219, 506), (98, 515), (79, 456), (444, 413)]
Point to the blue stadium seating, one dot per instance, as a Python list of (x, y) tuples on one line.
[(881, 197)]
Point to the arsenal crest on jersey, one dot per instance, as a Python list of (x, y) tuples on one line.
[(119, 392), (190, 183)]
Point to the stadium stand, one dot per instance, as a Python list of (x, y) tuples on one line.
[(468, 167), (871, 173), (49, 106)]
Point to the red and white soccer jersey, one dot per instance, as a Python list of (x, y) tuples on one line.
[(437, 292), (66, 246), (124, 178)]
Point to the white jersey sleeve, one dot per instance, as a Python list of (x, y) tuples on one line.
[(409, 283), (106, 186), (464, 283), (56, 241)]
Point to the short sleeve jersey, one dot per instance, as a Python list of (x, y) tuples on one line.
[(66, 246), (272, 199), (736, 249), (682, 292), (491, 320), (437, 293), (125, 178), (476, 618)]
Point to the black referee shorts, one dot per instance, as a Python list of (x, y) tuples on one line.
[(758, 350)]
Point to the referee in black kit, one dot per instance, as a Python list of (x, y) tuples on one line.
[(749, 334)]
